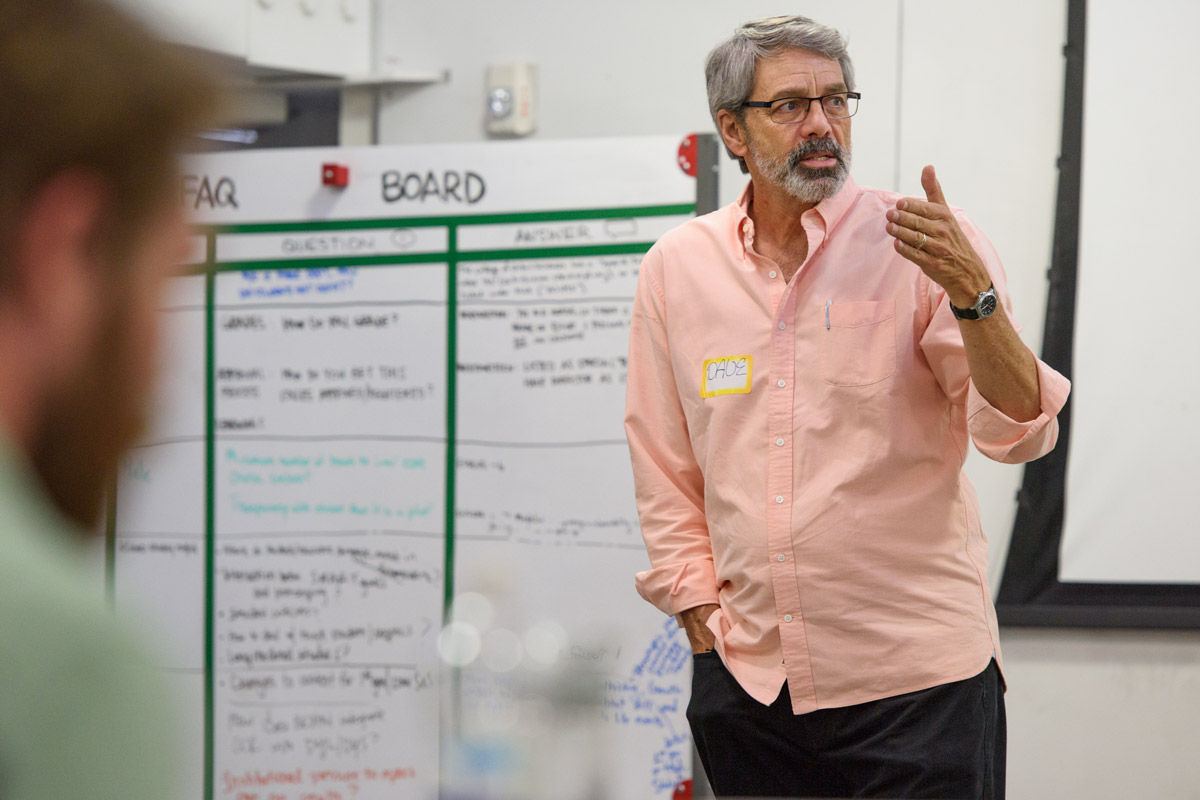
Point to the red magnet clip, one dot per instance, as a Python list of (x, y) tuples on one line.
[(335, 175), (684, 790), (689, 154)]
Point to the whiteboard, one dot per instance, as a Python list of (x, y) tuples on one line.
[(390, 405), (158, 565), (1131, 504)]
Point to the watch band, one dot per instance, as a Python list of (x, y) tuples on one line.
[(985, 305)]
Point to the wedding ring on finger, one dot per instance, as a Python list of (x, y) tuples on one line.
[(921, 243)]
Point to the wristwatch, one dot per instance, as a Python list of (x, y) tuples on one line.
[(985, 306)]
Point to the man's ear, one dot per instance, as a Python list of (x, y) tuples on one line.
[(56, 272), (733, 132)]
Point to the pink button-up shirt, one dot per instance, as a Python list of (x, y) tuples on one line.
[(798, 448)]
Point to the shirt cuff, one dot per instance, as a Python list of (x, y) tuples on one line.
[(1001, 438), (677, 587)]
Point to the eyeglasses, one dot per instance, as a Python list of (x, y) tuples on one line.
[(790, 110)]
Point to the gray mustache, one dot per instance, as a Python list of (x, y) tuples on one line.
[(809, 147)]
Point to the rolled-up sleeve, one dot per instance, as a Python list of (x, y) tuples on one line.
[(1001, 438), (669, 483), (995, 434)]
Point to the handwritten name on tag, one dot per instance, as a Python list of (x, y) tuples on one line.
[(727, 375)]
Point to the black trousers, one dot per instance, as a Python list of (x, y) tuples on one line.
[(944, 743)]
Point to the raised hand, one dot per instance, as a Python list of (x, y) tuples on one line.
[(927, 234)]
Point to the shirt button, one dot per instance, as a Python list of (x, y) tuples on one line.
[(783, 326), (772, 273), (779, 441), (778, 498), (787, 617), (781, 557), (782, 383)]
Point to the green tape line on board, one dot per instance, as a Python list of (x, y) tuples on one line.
[(210, 410)]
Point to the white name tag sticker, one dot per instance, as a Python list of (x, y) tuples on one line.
[(727, 375)]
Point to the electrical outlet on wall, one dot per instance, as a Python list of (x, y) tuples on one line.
[(511, 99)]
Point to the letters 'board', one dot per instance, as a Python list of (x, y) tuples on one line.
[(375, 399)]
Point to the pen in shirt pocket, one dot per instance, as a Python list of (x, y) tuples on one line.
[(828, 303)]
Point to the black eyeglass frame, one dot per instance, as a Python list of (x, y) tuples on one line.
[(810, 100)]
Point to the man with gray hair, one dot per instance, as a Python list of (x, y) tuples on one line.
[(806, 368)]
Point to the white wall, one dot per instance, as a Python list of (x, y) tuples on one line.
[(317, 36), (218, 25), (612, 68), (1091, 714), (982, 101), (974, 88)]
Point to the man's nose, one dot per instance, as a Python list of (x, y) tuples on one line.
[(815, 124)]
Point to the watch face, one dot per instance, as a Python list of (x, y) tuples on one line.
[(987, 305)]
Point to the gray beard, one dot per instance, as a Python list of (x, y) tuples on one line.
[(809, 186)]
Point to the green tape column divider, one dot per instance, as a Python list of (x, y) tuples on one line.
[(210, 540), (451, 408), (450, 716)]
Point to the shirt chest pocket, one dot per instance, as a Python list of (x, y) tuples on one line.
[(858, 345)]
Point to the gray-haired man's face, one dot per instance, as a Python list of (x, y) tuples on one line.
[(810, 160)]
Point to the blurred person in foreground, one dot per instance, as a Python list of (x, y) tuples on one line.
[(92, 113), (807, 366)]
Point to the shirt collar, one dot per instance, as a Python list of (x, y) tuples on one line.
[(831, 210)]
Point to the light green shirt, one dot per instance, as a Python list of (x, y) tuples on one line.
[(82, 715)]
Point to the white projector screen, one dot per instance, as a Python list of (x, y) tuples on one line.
[(1132, 498)]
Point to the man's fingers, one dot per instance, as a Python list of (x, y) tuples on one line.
[(908, 220), (933, 189), (916, 239), (923, 208), (917, 256)]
